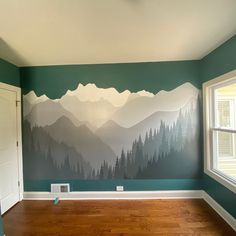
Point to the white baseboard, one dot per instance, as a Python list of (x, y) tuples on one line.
[(220, 210), (112, 195), (136, 195)]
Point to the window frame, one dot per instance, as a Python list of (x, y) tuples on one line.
[(208, 120)]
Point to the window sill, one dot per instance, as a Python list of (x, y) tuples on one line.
[(225, 182)]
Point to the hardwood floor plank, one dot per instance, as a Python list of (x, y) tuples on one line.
[(113, 218)]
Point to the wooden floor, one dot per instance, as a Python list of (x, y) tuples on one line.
[(114, 217)]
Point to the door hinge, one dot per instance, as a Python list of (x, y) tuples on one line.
[(17, 103), (18, 183), (17, 143)]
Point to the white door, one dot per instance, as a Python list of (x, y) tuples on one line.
[(9, 176)]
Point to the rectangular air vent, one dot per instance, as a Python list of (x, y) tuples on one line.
[(60, 188)]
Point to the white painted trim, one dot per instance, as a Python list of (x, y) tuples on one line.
[(20, 156), (220, 210), (206, 125), (221, 79), (17, 90), (11, 88), (113, 195)]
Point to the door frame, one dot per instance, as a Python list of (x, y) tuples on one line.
[(17, 90)]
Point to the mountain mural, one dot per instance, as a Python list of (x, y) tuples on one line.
[(47, 158), (136, 110), (92, 148), (97, 133), (94, 113), (118, 137), (48, 112)]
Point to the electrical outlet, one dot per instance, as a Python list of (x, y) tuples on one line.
[(119, 188)]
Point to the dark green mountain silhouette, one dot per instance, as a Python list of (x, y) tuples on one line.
[(45, 158)]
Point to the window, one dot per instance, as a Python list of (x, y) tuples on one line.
[(220, 129)]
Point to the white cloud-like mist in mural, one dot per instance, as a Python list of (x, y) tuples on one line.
[(97, 133)]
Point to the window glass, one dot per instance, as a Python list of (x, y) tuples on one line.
[(225, 144), (223, 112), (225, 97), (224, 132)]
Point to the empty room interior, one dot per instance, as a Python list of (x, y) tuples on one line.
[(117, 117)]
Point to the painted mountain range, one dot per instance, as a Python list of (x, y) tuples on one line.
[(97, 133)]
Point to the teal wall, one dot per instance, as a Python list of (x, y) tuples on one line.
[(54, 81), (109, 185), (8, 74), (218, 62), (221, 194)]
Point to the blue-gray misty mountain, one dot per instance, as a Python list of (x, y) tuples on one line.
[(47, 112), (92, 148), (119, 138)]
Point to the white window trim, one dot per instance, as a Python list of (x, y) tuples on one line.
[(208, 157)]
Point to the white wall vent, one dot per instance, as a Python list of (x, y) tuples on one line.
[(60, 188)]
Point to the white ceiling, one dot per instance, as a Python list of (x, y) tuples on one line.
[(47, 32)]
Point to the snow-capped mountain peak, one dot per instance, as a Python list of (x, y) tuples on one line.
[(145, 93), (33, 99)]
